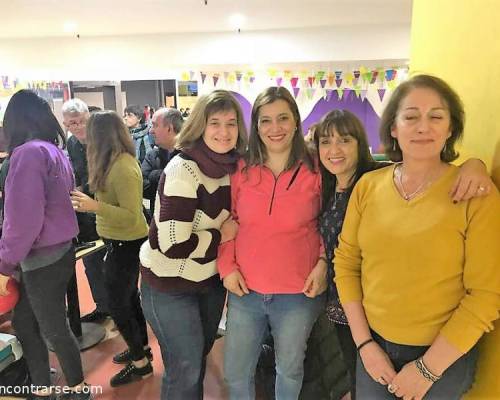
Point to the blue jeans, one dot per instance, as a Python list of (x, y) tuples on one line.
[(94, 269), (290, 318), (456, 380), (185, 325)]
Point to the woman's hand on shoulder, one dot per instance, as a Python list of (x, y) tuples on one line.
[(228, 230), (316, 281), (235, 283), (83, 203), (472, 181)]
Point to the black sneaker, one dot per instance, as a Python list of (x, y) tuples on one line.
[(83, 395), (131, 373), (124, 356), (95, 316)]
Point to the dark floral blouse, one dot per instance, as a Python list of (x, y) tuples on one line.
[(330, 225)]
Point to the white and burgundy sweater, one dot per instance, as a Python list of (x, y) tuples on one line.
[(184, 235)]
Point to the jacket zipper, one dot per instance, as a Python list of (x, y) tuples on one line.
[(294, 176)]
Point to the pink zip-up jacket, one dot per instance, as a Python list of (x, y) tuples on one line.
[(278, 243)]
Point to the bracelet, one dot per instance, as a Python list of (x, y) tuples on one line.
[(424, 371), (364, 344)]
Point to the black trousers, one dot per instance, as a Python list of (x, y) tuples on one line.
[(41, 312), (121, 275)]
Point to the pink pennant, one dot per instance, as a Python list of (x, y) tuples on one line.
[(279, 81), (322, 83), (203, 76), (381, 93), (294, 81), (296, 91)]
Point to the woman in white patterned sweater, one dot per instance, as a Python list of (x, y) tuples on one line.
[(182, 295)]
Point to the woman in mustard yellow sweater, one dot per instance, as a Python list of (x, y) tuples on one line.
[(416, 273), (116, 179)]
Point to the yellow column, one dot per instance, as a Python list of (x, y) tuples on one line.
[(459, 41)]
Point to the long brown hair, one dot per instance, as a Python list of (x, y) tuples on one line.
[(194, 127), (257, 153), (107, 139)]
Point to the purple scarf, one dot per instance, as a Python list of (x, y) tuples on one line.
[(212, 164)]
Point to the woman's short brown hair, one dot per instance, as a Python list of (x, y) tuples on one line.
[(448, 96), (194, 127)]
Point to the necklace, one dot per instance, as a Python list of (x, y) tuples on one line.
[(399, 180)]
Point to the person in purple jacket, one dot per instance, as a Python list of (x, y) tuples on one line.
[(39, 225)]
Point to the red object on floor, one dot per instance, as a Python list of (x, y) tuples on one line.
[(7, 303)]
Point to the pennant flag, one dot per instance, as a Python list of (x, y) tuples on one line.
[(5, 82), (320, 75), (191, 75), (287, 74), (252, 79), (374, 76), (185, 76), (348, 78), (239, 74), (279, 81), (363, 94), (310, 80), (296, 91), (367, 77), (329, 93), (338, 82), (331, 80), (322, 83), (203, 76), (347, 92), (231, 79), (357, 91), (294, 82), (272, 72), (340, 93), (381, 93), (215, 78), (338, 74), (356, 74), (363, 70), (226, 75), (390, 74), (392, 84), (310, 93)]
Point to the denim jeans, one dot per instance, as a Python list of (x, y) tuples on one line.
[(456, 380), (185, 325), (121, 276), (290, 318), (94, 269)]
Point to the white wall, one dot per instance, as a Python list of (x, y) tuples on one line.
[(165, 56)]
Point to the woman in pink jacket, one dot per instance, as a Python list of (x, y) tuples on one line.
[(275, 269)]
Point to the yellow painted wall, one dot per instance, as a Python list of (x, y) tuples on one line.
[(459, 40)]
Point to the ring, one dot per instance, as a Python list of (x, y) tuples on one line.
[(481, 189), (382, 381), (391, 388)]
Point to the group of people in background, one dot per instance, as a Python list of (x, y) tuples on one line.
[(388, 267)]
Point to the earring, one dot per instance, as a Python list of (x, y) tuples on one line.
[(394, 145)]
